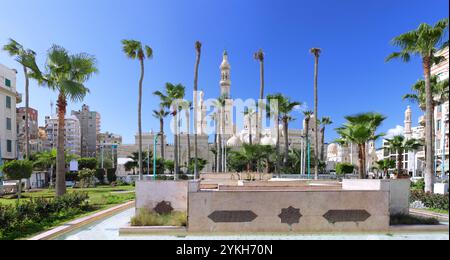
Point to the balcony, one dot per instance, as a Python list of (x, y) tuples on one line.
[(439, 151)]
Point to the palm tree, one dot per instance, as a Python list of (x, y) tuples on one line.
[(67, 75), (316, 52), (273, 111), (171, 99), (401, 145), (134, 50), (249, 113), (359, 130), (220, 104), (424, 42), (325, 121), (187, 107), (439, 89), (198, 49), (285, 108), (161, 114), (385, 165), (26, 58), (259, 56), (307, 114)]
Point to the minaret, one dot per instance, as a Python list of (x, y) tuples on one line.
[(225, 82), (408, 123)]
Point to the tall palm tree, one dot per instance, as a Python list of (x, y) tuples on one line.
[(187, 107), (161, 114), (307, 114), (272, 110), (359, 130), (67, 75), (439, 89), (134, 50), (325, 121), (400, 145), (220, 104), (424, 42), (26, 58), (172, 99), (259, 56), (316, 52), (198, 50)]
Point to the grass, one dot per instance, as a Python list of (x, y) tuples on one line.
[(100, 198), (440, 211), (147, 218), (403, 219)]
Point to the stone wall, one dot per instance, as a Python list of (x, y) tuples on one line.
[(284, 211), (150, 193), (399, 191)]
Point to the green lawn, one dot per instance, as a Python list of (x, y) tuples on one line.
[(100, 198)]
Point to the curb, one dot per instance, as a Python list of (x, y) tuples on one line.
[(74, 224)]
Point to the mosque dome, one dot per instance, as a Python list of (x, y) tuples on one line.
[(234, 141), (267, 140), (332, 150)]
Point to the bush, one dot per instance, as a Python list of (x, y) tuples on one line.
[(419, 185), (86, 177), (344, 168), (147, 218), (87, 163), (111, 175), (36, 211), (412, 220), (432, 201), (18, 170), (100, 175)]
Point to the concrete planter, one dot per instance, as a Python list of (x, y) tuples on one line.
[(441, 188), (150, 193)]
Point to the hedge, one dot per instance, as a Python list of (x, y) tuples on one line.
[(432, 201)]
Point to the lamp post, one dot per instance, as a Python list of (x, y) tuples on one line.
[(155, 139)]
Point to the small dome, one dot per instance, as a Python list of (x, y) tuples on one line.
[(234, 141), (266, 140), (332, 149)]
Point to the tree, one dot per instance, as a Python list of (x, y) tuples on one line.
[(18, 170), (86, 175), (307, 114), (134, 50), (400, 145), (438, 88), (26, 58), (359, 130), (171, 99), (344, 168), (198, 50), (201, 164), (424, 42), (161, 114), (66, 74), (249, 113), (87, 163), (134, 161), (316, 52), (259, 56), (272, 110), (325, 121), (385, 165), (220, 104)]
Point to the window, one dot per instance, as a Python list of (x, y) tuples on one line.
[(7, 82), (8, 123), (8, 102), (9, 146), (440, 108), (439, 125)]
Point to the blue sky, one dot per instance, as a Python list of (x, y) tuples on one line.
[(354, 35)]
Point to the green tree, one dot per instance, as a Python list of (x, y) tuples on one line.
[(344, 168), (18, 170), (400, 145), (161, 114), (134, 50), (171, 99), (87, 163), (424, 42), (67, 75), (359, 130), (26, 58), (385, 165), (259, 56)]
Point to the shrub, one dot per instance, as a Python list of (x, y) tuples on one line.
[(86, 177), (418, 185), (412, 220), (344, 168), (432, 201), (111, 175), (147, 218), (18, 170), (87, 163), (100, 175)]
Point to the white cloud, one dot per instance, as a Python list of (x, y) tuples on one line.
[(398, 130)]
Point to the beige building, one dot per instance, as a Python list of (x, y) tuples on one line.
[(33, 127), (72, 142)]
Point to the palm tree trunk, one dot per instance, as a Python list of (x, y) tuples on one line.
[(161, 130), (306, 145), (140, 119), (399, 163), (197, 63), (429, 160), (322, 148), (260, 108), (316, 117), (250, 141), (277, 148), (27, 105), (286, 142), (60, 156), (188, 132), (176, 166), (362, 174)]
